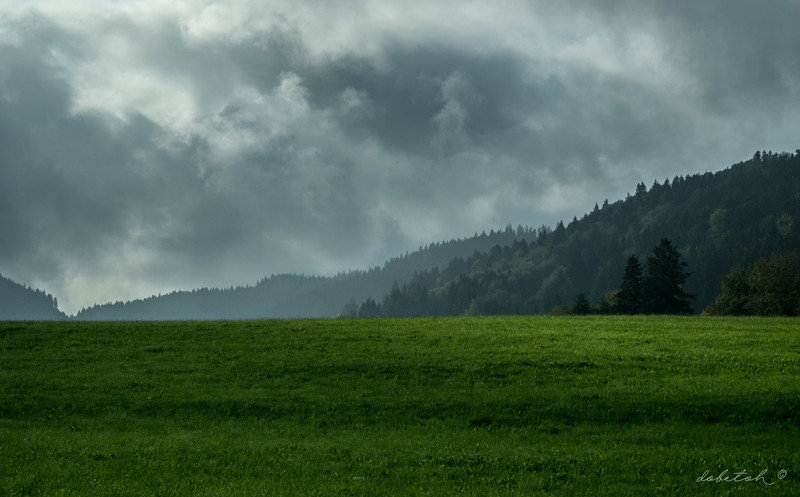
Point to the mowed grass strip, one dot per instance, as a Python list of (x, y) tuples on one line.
[(463, 406)]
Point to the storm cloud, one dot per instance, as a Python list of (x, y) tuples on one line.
[(147, 146)]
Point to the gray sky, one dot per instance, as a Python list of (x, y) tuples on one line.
[(147, 146)]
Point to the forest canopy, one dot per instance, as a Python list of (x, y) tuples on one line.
[(770, 287), (713, 221)]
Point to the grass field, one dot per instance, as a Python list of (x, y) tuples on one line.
[(595, 406)]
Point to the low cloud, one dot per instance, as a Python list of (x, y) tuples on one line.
[(147, 146)]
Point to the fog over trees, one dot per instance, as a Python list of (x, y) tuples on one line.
[(18, 302), (724, 242)]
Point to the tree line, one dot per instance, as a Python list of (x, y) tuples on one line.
[(769, 287), (716, 220), (656, 288), (22, 302)]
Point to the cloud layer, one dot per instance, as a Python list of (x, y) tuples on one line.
[(147, 146)]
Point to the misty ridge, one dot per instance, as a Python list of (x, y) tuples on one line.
[(720, 224), (155, 146)]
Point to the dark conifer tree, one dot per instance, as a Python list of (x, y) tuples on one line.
[(664, 281), (630, 297), (370, 309), (581, 305)]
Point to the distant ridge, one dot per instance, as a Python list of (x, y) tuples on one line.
[(717, 220), (20, 303), (294, 296)]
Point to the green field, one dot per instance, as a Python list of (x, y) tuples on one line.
[(595, 406)]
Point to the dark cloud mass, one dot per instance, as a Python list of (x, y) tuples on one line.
[(147, 146)]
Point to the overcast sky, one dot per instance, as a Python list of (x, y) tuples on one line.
[(147, 146)]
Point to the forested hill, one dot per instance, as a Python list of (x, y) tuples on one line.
[(716, 220), (21, 303), (289, 296)]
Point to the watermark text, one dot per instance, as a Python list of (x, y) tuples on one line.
[(741, 477)]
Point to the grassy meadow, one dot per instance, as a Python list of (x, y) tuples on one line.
[(524, 406)]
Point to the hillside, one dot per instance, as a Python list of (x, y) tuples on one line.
[(18, 302), (716, 220), (291, 296)]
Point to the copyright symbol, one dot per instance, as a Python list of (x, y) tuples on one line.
[(782, 474)]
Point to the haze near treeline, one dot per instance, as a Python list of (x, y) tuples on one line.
[(147, 146)]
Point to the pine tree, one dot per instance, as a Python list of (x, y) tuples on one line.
[(370, 309), (630, 298), (664, 281), (581, 305)]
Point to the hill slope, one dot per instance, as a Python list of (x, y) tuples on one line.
[(291, 296), (716, 220), (18, 302)]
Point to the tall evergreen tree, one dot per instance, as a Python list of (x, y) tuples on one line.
[(665, 278), (581, 305), (630, 297)]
